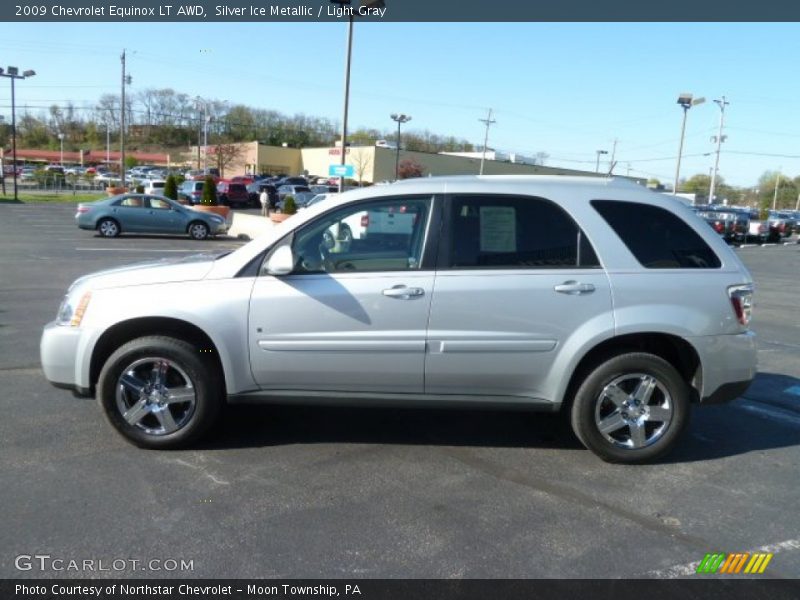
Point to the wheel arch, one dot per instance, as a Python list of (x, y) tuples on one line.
[(672, 348), (125, 331)]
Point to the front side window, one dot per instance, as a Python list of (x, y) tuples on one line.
[(159, 204), (382, 235), (515, 232), (657, 238)]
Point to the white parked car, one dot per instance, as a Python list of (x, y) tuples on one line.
[(154, 187), (598, 298)]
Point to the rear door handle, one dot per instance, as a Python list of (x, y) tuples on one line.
[(574, 288), (403, 293)]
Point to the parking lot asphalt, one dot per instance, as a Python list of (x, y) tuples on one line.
[(337, 493)]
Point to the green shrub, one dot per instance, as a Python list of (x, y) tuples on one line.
[(289, 206), (171, 187), (209, 197)]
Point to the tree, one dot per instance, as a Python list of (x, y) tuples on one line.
[(209, 197), (131, 162), (786, 190), (226, 155), (171, 187), (361, 159), (409, 168)]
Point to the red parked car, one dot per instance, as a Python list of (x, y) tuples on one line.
[(233, 194)]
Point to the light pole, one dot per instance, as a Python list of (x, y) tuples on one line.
[(399, 119), (61, 139), (720, 138), (350, 13), (488, 121), (597, 164), (13, 74), (686, 101)]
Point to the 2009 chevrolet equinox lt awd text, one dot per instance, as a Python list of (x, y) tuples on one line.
[(592, 296)]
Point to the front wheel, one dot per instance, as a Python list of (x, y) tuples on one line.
[(198, 230), (631, 408), (158, 392)]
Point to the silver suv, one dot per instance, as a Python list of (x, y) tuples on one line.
[(595, 297)]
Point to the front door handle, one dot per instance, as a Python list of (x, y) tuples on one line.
[(574, 288), (403, 293)]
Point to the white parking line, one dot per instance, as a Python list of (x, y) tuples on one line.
[(691, 568), (769, 412)]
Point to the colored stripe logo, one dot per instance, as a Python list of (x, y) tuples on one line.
[(733, 564)]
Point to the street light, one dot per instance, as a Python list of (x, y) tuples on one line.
[(13, 73), (399, 119), (597, 164), (61, 139), (686, 101)]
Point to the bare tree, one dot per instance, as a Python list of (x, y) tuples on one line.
[(361, 159)]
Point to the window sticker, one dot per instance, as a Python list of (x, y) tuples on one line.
[(498, 229)]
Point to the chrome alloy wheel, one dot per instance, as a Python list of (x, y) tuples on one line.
[(155, 395), (633, 411)]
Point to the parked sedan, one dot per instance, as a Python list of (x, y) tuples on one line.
[(142, 213)]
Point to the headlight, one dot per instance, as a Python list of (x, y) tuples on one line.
[(71, 315), (218, 220)]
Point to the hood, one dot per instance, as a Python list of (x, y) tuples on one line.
[(165, 270)]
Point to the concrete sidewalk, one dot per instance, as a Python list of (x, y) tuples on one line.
[(244, 226)]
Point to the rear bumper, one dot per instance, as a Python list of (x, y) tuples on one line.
[(729, 365)]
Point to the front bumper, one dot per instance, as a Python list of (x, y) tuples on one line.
[(58, 350)]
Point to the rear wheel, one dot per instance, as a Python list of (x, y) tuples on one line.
[(108, 228), (159, 393), (198, 230), (631, 408)]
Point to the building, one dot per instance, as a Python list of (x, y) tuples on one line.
[(370, 163)]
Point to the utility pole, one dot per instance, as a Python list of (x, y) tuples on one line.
[(488, 121), (343, 159), (612, 163), (720, 138), (122, 124), (775, 195)]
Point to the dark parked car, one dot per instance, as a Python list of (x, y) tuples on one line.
[(254, 190), (233, 194), (730, 224), (782, 224)]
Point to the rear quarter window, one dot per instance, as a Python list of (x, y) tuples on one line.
[(657, 237)]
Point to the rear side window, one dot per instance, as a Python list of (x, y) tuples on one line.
[(515, 232), (658, 238)]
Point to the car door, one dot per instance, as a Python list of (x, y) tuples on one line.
[(162, 218), (517, 280), (352, 315), (131, 213)]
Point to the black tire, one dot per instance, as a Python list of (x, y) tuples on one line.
[(198, 230), (187, 372), (108, 228), (636, 431)]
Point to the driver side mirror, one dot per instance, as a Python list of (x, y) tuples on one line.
[(281, 262)]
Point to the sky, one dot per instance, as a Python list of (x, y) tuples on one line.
[(566, 89)]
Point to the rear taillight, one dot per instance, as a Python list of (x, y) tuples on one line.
[(742, 301), (365, 220), (83, 209), (718, 227)]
